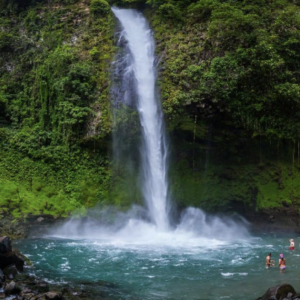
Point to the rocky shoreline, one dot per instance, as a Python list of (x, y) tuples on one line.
[(284, 219), (16, 285), (29, 226)]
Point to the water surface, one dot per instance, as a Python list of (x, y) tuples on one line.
[(216, 270)]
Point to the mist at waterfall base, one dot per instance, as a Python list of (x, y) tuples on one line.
[(195, 229)]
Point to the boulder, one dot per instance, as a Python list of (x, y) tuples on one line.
[(11, 259), (27, 296), (25, 291), (23, 257), (5, 244), (279, 292), (42, 287), (38, 297), (40, 219), (10, 271), (12, 289), (53, 296), (271, 219)]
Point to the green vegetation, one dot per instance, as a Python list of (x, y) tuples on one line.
[(232, 61), (55, 186), (54, 105), (231, 93), (99, 7), (225, 172), (230, 84)]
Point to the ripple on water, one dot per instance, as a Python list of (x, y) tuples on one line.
[(233, 274)]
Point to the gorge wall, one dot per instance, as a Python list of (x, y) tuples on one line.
[(229, 81)]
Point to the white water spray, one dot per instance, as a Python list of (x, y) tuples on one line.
[(140, 41)]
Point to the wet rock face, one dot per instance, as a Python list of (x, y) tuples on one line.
[(5, 245), (32, 225), (22, 286), (8, 257), (2, 278), (11, 258)]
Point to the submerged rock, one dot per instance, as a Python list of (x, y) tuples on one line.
[(279, 292)]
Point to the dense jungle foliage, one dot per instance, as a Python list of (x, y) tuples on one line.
[(229, 75), (230, 90), (54, 91)]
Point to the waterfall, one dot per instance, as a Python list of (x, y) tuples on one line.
[(141, 65), (135, 89)]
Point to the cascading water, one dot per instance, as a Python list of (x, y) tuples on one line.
[(135, 77), (140, 42)]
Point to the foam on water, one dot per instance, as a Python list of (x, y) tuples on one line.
[(232, 274)]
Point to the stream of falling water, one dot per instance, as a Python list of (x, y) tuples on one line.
[(141, 46)]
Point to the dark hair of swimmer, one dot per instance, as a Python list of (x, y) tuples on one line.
[(270, 254)]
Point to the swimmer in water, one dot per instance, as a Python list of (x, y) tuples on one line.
[(292, 244), (269, 262), (282, 263)]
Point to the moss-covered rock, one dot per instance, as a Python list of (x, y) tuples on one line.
[(99, 7)]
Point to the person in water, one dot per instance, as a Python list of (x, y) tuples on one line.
[(292, 244), (269, 262), (282, 265)]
